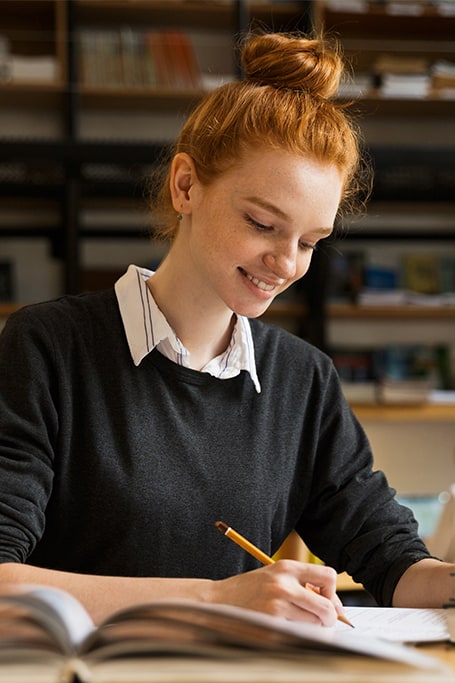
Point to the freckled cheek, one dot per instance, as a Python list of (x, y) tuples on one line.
[(303, 265)]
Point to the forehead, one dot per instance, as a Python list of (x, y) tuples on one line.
[(262, 164), (288, 181)]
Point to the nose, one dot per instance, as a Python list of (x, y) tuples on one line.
[(287, 262)]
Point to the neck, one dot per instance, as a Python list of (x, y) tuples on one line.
[(204, 329)]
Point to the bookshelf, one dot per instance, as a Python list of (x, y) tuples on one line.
[(74, 156), (397, 51)]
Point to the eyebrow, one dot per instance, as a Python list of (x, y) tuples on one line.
[(268, 206)]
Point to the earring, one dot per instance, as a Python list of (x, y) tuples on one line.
[(179, 217)]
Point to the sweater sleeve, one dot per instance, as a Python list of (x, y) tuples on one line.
[(353, 521), (28, 429)]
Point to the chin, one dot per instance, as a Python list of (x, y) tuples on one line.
[(249, 311)]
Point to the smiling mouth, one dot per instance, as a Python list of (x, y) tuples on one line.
[(259, 283)]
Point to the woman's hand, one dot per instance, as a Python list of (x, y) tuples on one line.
[(281, 589)]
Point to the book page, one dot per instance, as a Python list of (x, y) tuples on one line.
[(36, 614), (194, 625), (406, 625)]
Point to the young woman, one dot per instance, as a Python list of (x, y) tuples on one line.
[(133, 419)]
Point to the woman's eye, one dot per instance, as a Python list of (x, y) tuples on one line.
[(306, 246), (257, 225)]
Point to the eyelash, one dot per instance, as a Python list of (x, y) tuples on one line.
[(265, 228)]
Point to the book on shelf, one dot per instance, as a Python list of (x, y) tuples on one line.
[(412, 279), (403, 297), (47, 635), (363, 393), (39, 68), (356, 371), (23, 67), (447, 274), (421, 273), (399, 76), (445, 8), (400, 65), (182, 61), (398, 374), (135, 63), (346, 275), (382, 297), (128, 58), (403, 392), (404, 362), (409, 8), (443, 75), (356, 6), (401, 86)]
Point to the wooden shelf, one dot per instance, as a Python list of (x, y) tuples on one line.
[(347, 311), (377, 21), (103, 12), (426, 412), (36, 94), (126, 98), (196, 13), (353, 311)]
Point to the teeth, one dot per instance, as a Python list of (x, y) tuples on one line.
[(259, 284)]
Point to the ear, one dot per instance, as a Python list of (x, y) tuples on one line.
[(182, 177)]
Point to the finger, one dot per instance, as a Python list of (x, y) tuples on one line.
[(321, 609), (296, 613), (319, 578)]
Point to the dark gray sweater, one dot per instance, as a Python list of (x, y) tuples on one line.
[(114, 469)]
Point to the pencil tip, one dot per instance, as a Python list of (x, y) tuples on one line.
[(221, 526), (345, 620)]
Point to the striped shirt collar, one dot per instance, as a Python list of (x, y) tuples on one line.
[(146, 328)]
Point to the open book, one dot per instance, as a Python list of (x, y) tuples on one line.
[(47, 635)]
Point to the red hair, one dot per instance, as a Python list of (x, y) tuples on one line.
[(285, 101)]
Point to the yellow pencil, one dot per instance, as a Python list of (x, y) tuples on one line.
[(257, 553)]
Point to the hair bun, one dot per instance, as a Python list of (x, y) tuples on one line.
[(290, 61)]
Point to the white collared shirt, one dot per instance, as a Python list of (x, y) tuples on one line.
[(146, 328)]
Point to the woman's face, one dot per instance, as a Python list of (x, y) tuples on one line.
[(252, 232)]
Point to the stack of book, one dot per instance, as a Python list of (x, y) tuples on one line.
[(395, 374), (17, 67), (402, 77), (443, 77)]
